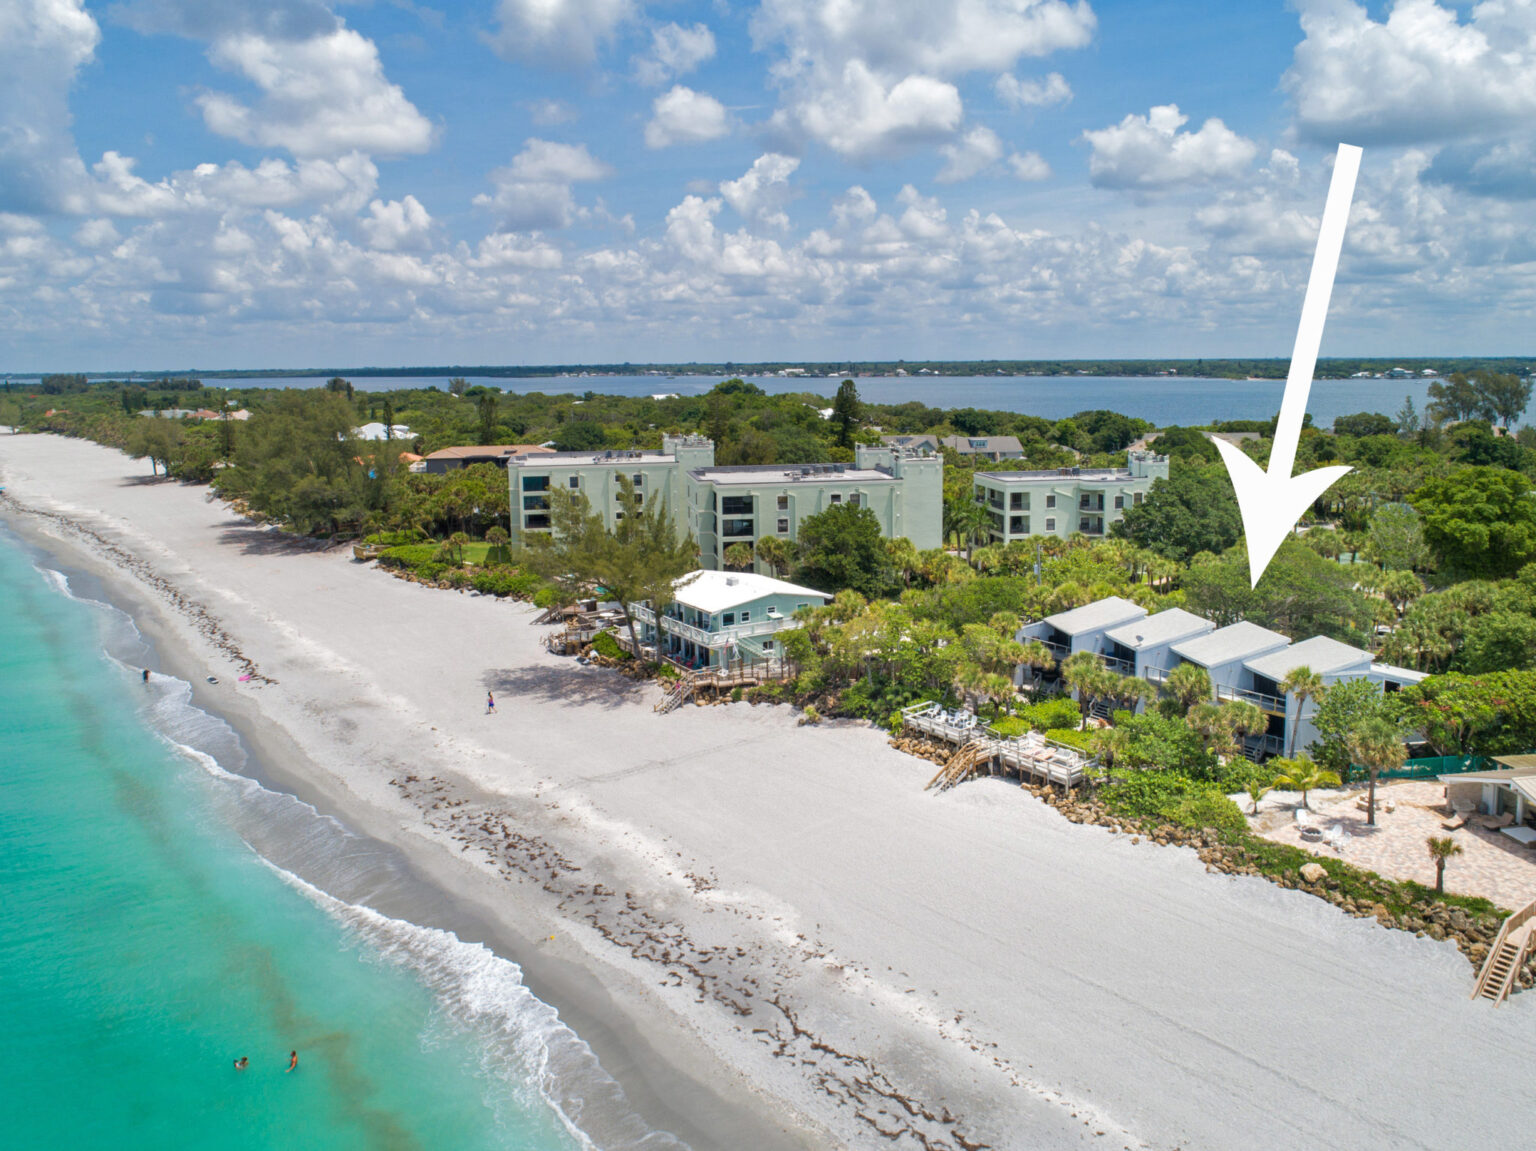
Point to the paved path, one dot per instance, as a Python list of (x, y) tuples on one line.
[(1491, 864)]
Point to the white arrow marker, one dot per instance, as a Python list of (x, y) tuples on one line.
[(1272, 501)]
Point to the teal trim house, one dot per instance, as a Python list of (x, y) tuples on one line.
[(720, 618)]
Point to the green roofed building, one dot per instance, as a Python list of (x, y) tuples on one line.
[(722, 506)]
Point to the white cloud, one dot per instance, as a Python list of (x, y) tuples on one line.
[(534, 190), (683, 116), (323, 96), (977, 150), (567, 33), (1016, 93), (873, 77), (761, 194), (860, 116), (396, 225), (1421, 75), (549, 112), (97, 233), (1150, 152), (1029, 166), (855, 206), (42, 44), (675, 51)]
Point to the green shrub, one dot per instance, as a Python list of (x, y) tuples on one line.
[(546, 597), (431, 571), (457, 577), (666, 671), (605, 645), (407, 555), (1051, 713), (396, 539), (894, 722), (735, 695), (1170, 796), (1009, 727), (1082, 740)]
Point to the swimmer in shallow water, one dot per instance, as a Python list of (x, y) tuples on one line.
[(293, 1061), (242, 1063)]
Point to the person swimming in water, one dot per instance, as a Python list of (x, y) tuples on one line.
[(293, 1061), (242, 1063)]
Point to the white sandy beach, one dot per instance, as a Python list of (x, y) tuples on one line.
[(821, 951)]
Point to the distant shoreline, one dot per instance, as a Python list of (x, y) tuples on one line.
[(1235, 369)]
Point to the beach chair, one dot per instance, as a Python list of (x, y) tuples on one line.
[(1337, 837)]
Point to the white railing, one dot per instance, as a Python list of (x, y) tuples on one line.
[(722, 638), (1267, 702), (1154, 674)]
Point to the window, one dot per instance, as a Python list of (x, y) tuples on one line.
[(746, 617), (1119, 503), (1050, 523), (736, 528), (618, 515), (575, 481), (784, 526), (1050, 501), (981, 495), (533, 523), (736, 505), (798, 606), (728, 619), (783, 503), (767, 645), (855, 499), (1018, 525), (638, 478), (1018, 502), (1136, 499), (837, 497), (535, 483), (535, 503)]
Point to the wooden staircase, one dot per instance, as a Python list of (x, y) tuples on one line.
[(676, 696), (962, 765), (1506, 956)]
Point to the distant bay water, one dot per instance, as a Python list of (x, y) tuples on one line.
[(165, 913), (1163, 400)]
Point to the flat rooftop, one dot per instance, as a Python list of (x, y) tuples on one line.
[(546, 459), (792, 474), (1077, 475)]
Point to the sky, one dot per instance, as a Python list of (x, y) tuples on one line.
[(297, 183)]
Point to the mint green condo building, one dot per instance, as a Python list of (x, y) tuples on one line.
[(1065, 501), (722, 506)]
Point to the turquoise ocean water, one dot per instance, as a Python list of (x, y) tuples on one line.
[(154, 927)]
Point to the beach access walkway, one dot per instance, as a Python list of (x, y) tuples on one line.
[(979, 748)]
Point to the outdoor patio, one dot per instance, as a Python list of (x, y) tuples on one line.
[(1491, 864)]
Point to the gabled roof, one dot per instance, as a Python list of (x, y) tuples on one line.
[(488, 451), (1323, 655), (1164, 627), (712, 591), (1236, 641), (966, 445), (1102, 613)]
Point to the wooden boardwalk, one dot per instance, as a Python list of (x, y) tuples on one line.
[(980, 748)]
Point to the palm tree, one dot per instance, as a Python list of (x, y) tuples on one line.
[(1238, 720), (456, 543), (901, 551), (1303, 775), (1304, 684), (1037, 657), (1378, 744), (1441, 850), (1080, 672), (1189, 683), (777, 554), (738, 557), (1256, 792)]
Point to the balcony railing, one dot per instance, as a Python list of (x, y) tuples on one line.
[(1059, 650), (1123, 666), (720, 638), (1154, 674), (1269, 703)]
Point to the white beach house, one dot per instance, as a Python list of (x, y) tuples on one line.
[(720, 618)]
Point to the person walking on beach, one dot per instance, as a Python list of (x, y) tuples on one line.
[(242, 1063), (293, 1061), (490, 704), (146, 675)]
